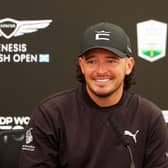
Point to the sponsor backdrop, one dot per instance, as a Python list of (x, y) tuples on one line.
[(39, 45)]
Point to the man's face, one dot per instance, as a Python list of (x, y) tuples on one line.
[(104, 72)]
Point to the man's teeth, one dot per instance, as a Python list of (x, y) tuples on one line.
[(102, 80)]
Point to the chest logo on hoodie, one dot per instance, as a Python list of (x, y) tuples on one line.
[(128, 133)]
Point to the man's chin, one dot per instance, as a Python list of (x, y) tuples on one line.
[(100, 92), (103, 94)]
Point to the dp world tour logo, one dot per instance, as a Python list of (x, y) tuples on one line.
[(151, 36), (12, 28)]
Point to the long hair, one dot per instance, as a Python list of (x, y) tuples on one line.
[(128, 81)]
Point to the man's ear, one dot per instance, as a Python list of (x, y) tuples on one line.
[(80, 61), (130, 65)]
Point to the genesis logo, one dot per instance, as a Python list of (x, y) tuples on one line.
[(20, 52), (12, 28)]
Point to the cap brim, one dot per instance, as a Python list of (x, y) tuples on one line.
[(114, 50)]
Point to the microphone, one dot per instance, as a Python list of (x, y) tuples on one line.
[(119, 132)]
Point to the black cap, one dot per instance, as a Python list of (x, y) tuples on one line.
[(106, 36)]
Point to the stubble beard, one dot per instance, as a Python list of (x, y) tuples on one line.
[(103, 95)]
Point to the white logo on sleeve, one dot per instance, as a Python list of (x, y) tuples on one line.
[(128, 133), (102, 35), (166, 154), (29, 137)]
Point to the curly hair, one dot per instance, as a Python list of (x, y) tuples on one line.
[(128, 81)]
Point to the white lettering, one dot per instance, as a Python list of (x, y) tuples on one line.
[(5, 127), (7, 25), (10, 47), (21, 120), (28, 58), (6, 120), (4, 58)]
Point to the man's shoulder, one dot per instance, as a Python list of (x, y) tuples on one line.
[(59, 96), (144, 104)]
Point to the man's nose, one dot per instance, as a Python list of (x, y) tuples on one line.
[(101, 68)]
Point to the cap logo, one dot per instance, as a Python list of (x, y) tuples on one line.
[(129, 49), (102, 35)]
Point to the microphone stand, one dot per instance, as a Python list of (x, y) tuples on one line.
[(119, 133)]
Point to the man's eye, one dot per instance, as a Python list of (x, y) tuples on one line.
[(91, 61), (110, 61)]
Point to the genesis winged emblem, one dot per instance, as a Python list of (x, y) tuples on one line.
[(13, 28)]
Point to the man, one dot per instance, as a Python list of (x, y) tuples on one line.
[(98, 124)]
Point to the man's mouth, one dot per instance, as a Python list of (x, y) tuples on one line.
[(102, 80)]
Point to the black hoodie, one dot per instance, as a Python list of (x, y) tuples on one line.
[(68, 130)]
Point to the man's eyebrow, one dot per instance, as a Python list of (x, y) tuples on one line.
[(88, 56)]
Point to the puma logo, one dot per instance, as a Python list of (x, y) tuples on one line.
[(128, 133)]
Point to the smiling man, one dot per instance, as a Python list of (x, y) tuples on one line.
[(99, 124), (104, 72)]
